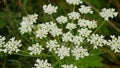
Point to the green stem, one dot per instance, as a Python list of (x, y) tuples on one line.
[(52, 18), (74, 7), (41, 55), (99, 26), (4, 62)]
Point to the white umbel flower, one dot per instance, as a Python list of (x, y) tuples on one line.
[(2, 42), (67, 37), (108, 13), (41, 33), (27, 23), (71, 26), (52, 45), (12, 46), (35, 49), (74, 2), (77, 40), (85, 9), (97, 40), (49, 9), (61, 19), (84, 32), (63, 52), (73, 15), (87, 23), (69, 66), (42, 64), (79, 52), (114, 43)]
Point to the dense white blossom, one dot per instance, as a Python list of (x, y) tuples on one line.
[(87, 23), (97, 40), (108, 13), (27, 23), (77, 40), (74, 2), (35, 49), (61, 19), (67, 37), (12, 46), (41, 33), (71, 26), (114, 43), (85, 9), (52, 45), (49, 9), (69, 66), (2, 42), (73, 15), (63, 52), (79, 52), (42, 64), (84, 32)]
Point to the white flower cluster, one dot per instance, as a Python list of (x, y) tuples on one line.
[(52, 45), (12, 46), (2, 42), (84, 32), (114, 43), (97, 40), (77, 40), (71, 26), (74, 2), (35, 49), (85, 9), (42, 64), (62, 19), (108, 13), (27, 23), (69, 66), (79, 52), (87, 23), (73, 15), (49, 9), (50, 27), (63, 52), (67, 37)]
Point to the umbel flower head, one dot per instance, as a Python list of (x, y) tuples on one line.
[(42, 64), (12, 46), (49, 9), (2, 42), (108, 13), (69, 66), (74, 2)]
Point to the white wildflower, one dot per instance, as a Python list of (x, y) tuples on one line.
[(55, 32), (2, 42), (12, 46), (63, 52), (108, 13), (84, 32), (85, 9), (79, 52), (114, 43), (77, 40), (27, 23), (97, 40), (73, 15), (87, 23), (71, 26), (69, 66), (42, 64), (49, 9), (52, 45), (67, 37), (35, 49), (41, 33), (61, 19), (74, 2)]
